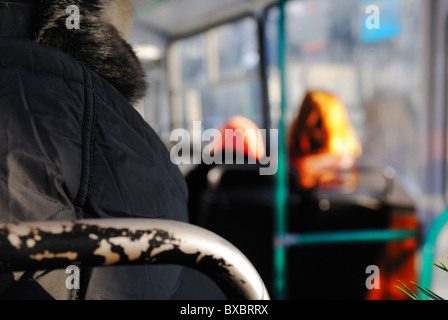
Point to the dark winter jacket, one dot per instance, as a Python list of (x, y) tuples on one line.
[(71, 146)]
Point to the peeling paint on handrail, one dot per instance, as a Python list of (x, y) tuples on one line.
[(104, 242)]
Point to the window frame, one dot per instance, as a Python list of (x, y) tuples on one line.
[(260, 75)]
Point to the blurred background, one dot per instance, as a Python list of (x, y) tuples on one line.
[(209, 61)]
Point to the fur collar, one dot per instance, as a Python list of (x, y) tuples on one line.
[(96, 43)]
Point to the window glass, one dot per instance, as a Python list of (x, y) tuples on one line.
[(335, 46), (238, 49), (215, 75), (223, 102), (155, 107), (193, 60), (150, 48)]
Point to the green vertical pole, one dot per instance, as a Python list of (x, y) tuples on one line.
[(428, 249), (281, 188)]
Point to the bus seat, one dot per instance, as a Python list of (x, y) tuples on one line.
[(376, 202), (237, 204)]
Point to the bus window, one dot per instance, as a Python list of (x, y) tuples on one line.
[(377, 73), (150, 48), (214, 75)]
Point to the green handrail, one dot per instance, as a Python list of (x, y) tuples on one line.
[(428, 250), (355, 236), (281, 188)]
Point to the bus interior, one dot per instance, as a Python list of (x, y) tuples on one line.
[(312, 137), (210, 61)]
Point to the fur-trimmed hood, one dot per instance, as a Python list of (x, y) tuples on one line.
[(97, 43)]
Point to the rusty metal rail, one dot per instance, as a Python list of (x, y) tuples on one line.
[(105, 242)]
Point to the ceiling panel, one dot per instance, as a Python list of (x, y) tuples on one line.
[(177, 17)]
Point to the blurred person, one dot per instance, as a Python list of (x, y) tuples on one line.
[(246, 143), (322, 140), (323, 145), (72, 145), (246, 138)]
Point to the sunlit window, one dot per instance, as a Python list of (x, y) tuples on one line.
[(214, 75), (155, 106), (376, 70)]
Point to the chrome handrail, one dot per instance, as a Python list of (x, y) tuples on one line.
[(105, 242)]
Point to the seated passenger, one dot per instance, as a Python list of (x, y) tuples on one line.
[(73, 147), (246, 136), (242, 146), (322, 141), (322, 145)]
